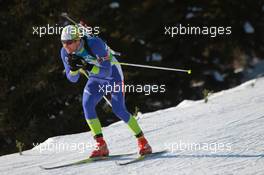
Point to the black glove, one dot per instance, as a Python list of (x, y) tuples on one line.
[(76, 62)]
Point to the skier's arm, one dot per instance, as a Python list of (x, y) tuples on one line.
[(99, 48), (72, 76)]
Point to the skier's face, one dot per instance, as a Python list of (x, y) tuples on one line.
[(71, 45)]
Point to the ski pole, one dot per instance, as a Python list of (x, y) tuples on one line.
[(79, 25), (153, 67), (130, 64), (87, 76), (67, 17), (81, 70)]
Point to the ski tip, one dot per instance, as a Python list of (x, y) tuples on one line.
[(42, 167)]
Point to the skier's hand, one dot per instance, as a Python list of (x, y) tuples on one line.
[(74, 62), (77, 62)]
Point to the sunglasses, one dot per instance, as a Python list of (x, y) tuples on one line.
[(67, 42)]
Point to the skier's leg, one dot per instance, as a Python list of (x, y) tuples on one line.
[(91, 96), (119, 108)]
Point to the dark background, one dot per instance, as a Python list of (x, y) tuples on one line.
[(37, 101)]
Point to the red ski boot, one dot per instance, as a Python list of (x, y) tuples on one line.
[(144, 147), (101, 149)]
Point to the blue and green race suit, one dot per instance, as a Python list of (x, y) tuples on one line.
[(104, 73)]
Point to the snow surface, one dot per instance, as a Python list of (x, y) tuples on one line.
[(228, 130)]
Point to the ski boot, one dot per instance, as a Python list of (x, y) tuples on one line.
[(144, 147), (101, 149)]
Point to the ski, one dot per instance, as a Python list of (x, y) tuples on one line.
[(88, 160), (142, 157)]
